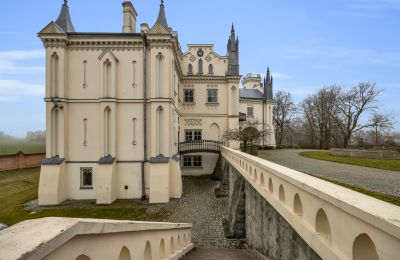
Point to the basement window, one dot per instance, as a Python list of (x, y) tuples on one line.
[(193, 161), (86, 178)]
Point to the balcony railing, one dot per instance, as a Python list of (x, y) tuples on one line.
[(204, 146)]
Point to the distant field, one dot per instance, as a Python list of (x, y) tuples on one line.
[(8, 147)]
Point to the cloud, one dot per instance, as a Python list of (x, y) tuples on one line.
[(22, 55), (16, 90), (14, 62)]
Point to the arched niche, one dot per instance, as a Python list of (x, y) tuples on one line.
[(322, 225), (364, 248), (162, 249), (124, 254), (297, 205), (282, 196), (147, 252)]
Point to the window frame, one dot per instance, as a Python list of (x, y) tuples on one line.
[(210, 91), (252, 112), (184, 96), (192, 161), (195, 135), (83, 186)]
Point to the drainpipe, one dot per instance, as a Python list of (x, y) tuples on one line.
[(144, 112), (263, 122)]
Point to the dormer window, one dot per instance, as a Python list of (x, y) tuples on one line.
[(190, 69)]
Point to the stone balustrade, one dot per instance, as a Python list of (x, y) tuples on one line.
[(337, 223), (85, 239)]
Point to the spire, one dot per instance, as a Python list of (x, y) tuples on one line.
[(268, 75), (233, 28), (64, 19), (161, 16)]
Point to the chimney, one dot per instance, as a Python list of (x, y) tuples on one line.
[(129, 18)]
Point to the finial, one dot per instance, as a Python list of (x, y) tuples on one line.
[(233, 28), (162, 2), (66, 2)]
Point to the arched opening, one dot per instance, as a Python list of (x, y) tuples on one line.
[(262, 182), (200, 66), (159, 131), (171, 246), (270, 186), (54, 71), (282, 193), (162, 250), (82, 257), (190, 69), (322, 225), (159, 73), (210, 69), (147, 252), (214, 132), (297, 205), (364, 248), (107, 131), (124, 254), (107, 78), (54, 132)]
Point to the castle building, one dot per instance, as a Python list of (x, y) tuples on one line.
[(118, 105)]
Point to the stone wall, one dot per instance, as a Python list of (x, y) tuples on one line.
[(371, 154), (267, 233), (20, 161)]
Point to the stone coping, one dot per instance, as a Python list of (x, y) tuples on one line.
[(42, 236), (380, 214)]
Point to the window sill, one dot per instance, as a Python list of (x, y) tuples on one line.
[(189, 103), (192, 168), (86, 188), (212, 104)]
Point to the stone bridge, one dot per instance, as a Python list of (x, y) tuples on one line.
[(277, 212)]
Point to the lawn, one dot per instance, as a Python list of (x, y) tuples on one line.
[(384, 164), (13, 146), (20, 186)]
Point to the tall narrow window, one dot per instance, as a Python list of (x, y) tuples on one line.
[(212, 96), (210, 69), (190, 69), (159, 74), (200, 66), (159, 132), (107, 131), (85, 143), (188, 95), (134, 131), (134, 74), (54, 133), (250, 111), (54, 60), (85, 74), (107, 78)]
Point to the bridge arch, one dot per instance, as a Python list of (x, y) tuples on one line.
[(124, 254), (282, 196), (161, 255), (364, 248), (322, 225), (297, 205)]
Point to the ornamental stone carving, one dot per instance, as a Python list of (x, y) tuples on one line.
[(193, 122)]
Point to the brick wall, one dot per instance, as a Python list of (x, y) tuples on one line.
[(20, 161)]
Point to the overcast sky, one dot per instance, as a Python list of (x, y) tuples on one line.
[(307, 44)]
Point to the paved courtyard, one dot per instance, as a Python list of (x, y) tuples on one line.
[(383, 181)]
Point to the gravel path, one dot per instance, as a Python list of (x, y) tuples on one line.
[(383, 181), (219, 254)]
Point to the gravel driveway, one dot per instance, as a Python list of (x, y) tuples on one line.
[(383, 181)]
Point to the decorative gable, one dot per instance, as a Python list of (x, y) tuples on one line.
[(52, 28), (107, 53), (159, 29)]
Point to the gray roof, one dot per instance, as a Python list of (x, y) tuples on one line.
[(64, 20), (250, 94), (161, 16)]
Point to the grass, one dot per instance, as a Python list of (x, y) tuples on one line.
[(18, 187), (387, 198), (384, 164), (13, 146)]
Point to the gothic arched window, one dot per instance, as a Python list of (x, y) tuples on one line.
[(106, 78), (210, 69), (54, 132), (54, 60), (159, 73), (190, 69), (107, 131), (200, 66)]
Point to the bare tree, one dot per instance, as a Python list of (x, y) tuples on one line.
[(284, 111), (380, 122), (318, 110), (351, 106)]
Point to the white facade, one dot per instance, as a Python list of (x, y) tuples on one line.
[(119, 104)]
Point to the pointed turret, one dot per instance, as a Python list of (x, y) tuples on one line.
[(64, 19), (233, 53), (268, 85), (161, 16)]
